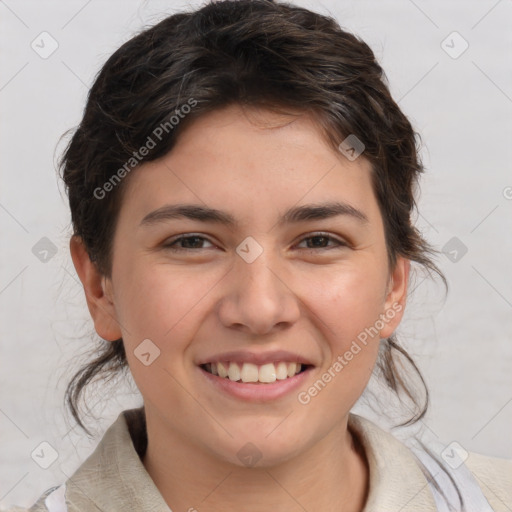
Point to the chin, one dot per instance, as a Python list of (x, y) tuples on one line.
[(259, 450)]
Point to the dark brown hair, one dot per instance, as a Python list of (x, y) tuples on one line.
[(254, 53)]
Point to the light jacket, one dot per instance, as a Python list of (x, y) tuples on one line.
[(113, 478)]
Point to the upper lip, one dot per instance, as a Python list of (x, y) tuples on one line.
[(241, 356)]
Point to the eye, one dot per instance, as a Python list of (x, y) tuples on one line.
[(319, 241), (194, 242), (186, 243)]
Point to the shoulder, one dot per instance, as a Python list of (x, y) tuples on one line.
[(494, 476), (437, 477)]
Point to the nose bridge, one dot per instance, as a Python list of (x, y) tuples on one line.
[(258, 277), (255, 259), (258, 299)]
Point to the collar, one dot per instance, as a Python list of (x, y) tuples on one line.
[(113, 477), (396, 480)]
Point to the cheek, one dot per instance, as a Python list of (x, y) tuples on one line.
[(163, 305), (348, 304), (160, 303), (348, 301), (348, 308)]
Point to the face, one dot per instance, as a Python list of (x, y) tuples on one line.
[(269, 277)]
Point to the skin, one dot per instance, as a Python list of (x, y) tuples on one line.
[(313, 299)]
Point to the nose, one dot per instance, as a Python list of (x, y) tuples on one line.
[(259, 297)]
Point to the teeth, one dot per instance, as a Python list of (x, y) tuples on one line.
[(267, 373), (292, 367), (249, 372), (281, 371), (221, 369), (233, 372)]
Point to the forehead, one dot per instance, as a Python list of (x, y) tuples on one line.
[(251, 159)]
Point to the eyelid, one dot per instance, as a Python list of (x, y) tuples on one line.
[(340, 241), (169, 243), (183, 236)]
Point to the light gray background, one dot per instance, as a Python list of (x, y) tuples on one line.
[(462, 107)]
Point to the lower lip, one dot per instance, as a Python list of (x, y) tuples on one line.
[(257, 392)]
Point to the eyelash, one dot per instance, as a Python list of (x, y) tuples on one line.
[(330, 238)]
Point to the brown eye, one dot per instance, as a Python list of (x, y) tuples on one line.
[(185, 243), (321, 241)]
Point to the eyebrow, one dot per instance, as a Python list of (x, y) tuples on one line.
[(294, 215)]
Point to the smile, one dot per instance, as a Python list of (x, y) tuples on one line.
[(250, 372)]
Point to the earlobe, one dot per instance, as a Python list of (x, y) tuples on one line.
[(97, 292), (394, 306)]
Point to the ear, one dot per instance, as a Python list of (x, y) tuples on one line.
[(98, 292), (396, 296)]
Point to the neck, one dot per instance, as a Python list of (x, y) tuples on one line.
[(330, 476)]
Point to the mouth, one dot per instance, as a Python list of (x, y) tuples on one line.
[(246, 372), (257, 377)]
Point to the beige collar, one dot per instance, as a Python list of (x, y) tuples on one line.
[(113, 477), (396, 480)]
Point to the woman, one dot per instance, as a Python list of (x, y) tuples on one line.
[(241, 189)]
